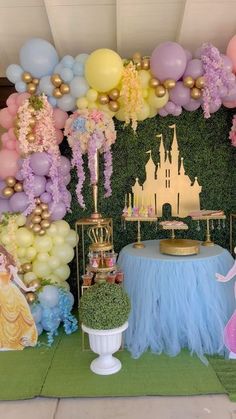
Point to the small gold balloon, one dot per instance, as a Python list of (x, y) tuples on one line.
[(37, 201), (136, 57), (199, 82), (195, 93), (154, 82), (31, 88), (30, 137), (18, 187), (16, 132), (169, 83), (160, 91), (113, 106), (45, 215), (36, 219), (31, 225), (38, 210), (35, 81), (145, 63), (30, 297), (20, 270), (32, 122), (8, 192), (42, 232), (35, 283), (56, 80), (103, 98), (57, 93), (64, 88), (10, 181), (114, 94), (27, 267), (45, 224), (44, 206), (138, 65), (26, 77), (36, 228), (188, 82)]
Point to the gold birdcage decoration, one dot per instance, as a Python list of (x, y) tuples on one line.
[(101, 237)]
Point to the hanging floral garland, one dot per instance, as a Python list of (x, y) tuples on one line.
[(131, 92), (89, 131)]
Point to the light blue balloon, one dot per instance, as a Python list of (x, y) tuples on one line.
[(36, 311), (66, 74), (57, 68), (82, 58), (78, 68), (66, 103), (50, 325), (46, 86), (68, 61), (39, 57), (20, 87), (14, 73), (78, 87), (52, 100), (39, 328), (49, 296)]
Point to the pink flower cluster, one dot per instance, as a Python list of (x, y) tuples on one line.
[(232, 134)]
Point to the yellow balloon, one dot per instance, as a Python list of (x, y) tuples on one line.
[(106, 109), (120, 114), (144, 77), (63, 228), (52, 230), (53, 262), (5, 239), (21, 252), (43, 243), (54, 279), (63, 272), (41, 269), (64, 252), (82, 103), (103, 69), (92, 105), (20, 220), (145, 92), (31, 253), (24, 237), (58, 240), (157, 102), (65, 285), (43, 257), (92, 95), (29, 276), (144, 111), (153, 112), (71, 238)]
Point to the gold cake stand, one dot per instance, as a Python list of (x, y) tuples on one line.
[(179, 247)]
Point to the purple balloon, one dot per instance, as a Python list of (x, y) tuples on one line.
[(19, 202), (177, 111), (231, 96), (188, 54), (214, 108), (67, 179), (228, 65), (40, 163), (180, 94), (46, 197), (198, 52), (39, 185), (168, 61), (68, 195), (162, 112), (65, 165), (194, 69), (58, 212), (170, 107), (19, 175), (2, 186), (4, 206), (192, 105), (223, 91), (48, 186)]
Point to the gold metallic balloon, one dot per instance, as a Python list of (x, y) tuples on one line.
[(57, 93), (30, 297), (199, 82), (145, 63), (18, 187), (36, 228), (103, 98), (56, 80), (38, 210), (45, 224), (64, 88), (44, 206), (160, 91), (113, 106), (30, 137), (35, 81), (154, 82), (195, 93), (31, 88), (26, 77), (136, 57), (20, 270), (10, 181), (42, 232), (32, 122), (35, 283), (36, 219), (169, 83), (31, 225), (114, 94), (27, 267), (38, 201), (45, 215), (8, 192), (188, 82), (138, 65), (16, 132)]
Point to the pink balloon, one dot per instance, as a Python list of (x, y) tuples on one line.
[(21, 98), (6, 119), (12, 109), (60, 118), (230, 105), (17, 147), (59, 136), (8, 163), (5, 138), (11, 134), (11, 100), (10, 145), (231, 52)]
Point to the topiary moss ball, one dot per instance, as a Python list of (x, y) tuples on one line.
[(104, 306)]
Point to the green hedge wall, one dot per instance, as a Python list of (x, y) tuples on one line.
[(207, 153)]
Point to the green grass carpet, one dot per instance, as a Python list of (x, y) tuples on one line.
[(63, 371)]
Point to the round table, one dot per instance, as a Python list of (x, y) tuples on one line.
[(176, 300)]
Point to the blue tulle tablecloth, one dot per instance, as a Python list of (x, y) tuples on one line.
[(176, 300)]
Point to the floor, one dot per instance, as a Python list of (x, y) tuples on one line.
[(195, 407)]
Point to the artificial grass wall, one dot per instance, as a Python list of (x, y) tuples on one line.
[(207, 153)]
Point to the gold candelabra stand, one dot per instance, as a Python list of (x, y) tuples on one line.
[(208, 241), (139, 244)]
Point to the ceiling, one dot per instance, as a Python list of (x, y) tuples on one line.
[(127, 26)]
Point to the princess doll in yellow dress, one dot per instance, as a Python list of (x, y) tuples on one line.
[(17, 326)]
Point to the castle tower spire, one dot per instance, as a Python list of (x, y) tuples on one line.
[(161, 150)]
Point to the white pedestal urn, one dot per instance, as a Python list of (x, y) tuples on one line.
[(105, 343)]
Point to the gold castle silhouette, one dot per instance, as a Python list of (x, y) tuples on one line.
[(167, 183)]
